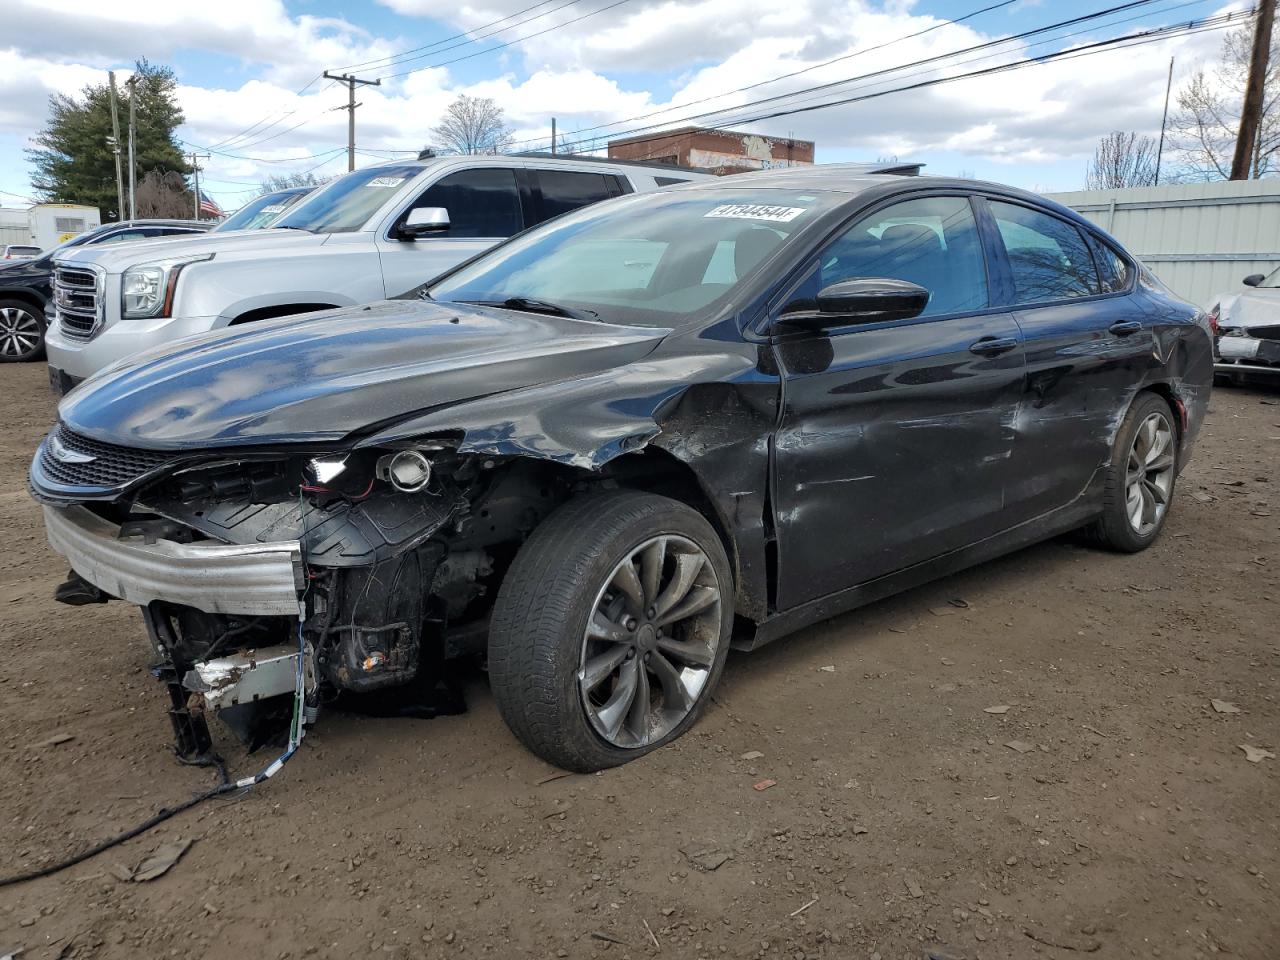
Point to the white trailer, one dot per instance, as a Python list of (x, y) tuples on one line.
[(54, 223)]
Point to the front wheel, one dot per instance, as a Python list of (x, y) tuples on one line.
[(21, 332), (1140, 477), (610, 629)]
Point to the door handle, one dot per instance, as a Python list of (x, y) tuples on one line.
[(1125, 327), (993, 346)]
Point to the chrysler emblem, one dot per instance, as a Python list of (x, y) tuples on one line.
[(63, 455)]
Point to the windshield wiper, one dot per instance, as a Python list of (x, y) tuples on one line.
[(533, 305)]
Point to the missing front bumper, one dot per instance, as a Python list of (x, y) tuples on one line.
[(262, 579)]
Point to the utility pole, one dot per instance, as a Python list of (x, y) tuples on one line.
[(1164, 120), (115, 146), (195, 170), (131, 83), (1254, 91), (351, 82), (553, 135)]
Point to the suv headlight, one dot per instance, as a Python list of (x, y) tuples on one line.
[(147, 289)]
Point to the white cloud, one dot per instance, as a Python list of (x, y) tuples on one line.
[(645, 56)]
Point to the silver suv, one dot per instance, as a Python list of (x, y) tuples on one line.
[(375, 233)]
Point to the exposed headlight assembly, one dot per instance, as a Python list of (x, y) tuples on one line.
[(407, 470), (147, 289)]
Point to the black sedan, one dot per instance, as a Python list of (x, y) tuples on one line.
[(618, 444), (26, 286)]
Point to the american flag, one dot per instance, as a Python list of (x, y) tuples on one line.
[(208, 207)]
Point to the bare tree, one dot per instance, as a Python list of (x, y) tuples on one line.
[(164, 194), (473, 125), (1122, 159), (1204, 125), (283, 181)]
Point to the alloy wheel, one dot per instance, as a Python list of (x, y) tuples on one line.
[(19, 332), (1149, 474), (649, 647)]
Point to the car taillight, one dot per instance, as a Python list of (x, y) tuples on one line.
[(1213, 319)]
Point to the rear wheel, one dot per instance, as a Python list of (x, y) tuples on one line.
[(611, 629), (21, 332), (1140, 478)]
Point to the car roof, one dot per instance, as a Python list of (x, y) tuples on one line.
[(857, 178), (158, 222)]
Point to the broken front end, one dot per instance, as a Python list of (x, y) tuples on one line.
[(262, 575)]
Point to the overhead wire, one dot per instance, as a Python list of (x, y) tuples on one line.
[(588, 143)]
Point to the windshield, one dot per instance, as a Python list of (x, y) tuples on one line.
[(82, 238), (346, 205), (654, 259), (259, 212)]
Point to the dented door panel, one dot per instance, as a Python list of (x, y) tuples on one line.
[(1081, 376), (894, 447)]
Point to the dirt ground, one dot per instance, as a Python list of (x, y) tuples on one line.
[(1106, 808)]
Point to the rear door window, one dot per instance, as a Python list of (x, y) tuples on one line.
[(1047, 256), (1113, 272), (565, 190), (482, 203)]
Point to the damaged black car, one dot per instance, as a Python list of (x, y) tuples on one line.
[(606, 451)]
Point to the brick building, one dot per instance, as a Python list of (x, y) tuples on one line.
[(722, 151)]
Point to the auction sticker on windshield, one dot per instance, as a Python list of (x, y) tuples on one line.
[(755, 211), (385, 182)]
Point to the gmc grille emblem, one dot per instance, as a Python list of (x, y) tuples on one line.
[(63, 455)]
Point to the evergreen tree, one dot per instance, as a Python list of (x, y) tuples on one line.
[(73, 160)]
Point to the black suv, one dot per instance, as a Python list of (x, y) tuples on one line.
[(26, 286)]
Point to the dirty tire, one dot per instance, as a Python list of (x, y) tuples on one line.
[(1113, 529), (22, 329), (536, 635)]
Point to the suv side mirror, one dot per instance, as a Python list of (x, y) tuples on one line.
[(424, 221), (1253, 279), (870, 300)]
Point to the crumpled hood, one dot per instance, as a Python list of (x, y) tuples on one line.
[(1258, 307), (117, 257), (322, 376)]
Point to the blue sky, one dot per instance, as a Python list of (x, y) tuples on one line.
[(242, 63)]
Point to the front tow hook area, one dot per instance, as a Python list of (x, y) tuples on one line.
[(78, 592)]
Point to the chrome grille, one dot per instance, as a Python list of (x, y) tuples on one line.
[(103, 464), (77, 296)]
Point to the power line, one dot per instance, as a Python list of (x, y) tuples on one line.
[(1140, 39), (494, 49), (795, 73), (875, 73), (805, 96), (403, 56), (393, 60), (254, 126), (666, 124), (237, 156)]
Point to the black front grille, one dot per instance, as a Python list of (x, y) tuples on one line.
[(111, 466)]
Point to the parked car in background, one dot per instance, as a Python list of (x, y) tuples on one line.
[(373, 233), (615, 445), (26, 286), (261, 211), (1247, 324), (19, 251)]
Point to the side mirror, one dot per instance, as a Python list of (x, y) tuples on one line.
[(424, 221), (1253, 279), (870, 300)]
